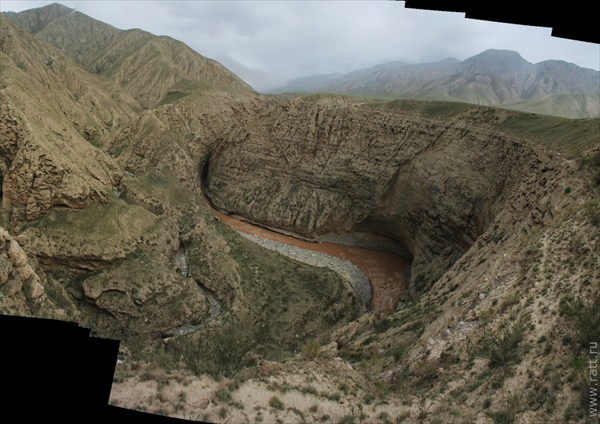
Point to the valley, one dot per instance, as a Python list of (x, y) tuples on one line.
[(385, 272), (294, 258)]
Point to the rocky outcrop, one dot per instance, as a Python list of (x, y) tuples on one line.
[(135, 303), (17, 270), (37, 181), (22, 284), (432, 185), (50, 113)]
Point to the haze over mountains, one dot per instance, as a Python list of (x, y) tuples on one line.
[(493, 77), (116, 146)]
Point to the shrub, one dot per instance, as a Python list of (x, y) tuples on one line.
[(381, 323), (382, 388), (510, 301), (344, 388), (425, 373), (509, 413), (594, 163), (501, 346), (223, 395), (592, 210), (585, 315), (276, 403), (311, 350), (309, 390), (335, 396), (384, 416)]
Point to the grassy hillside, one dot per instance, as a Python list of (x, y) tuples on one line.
[(154, 70), (566, 105), (571, 137), (103, 223), (493, 78), (158, 70)]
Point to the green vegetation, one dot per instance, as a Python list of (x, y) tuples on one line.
[(223, 395), (282, 292), (500, 347), (592, 211), (381, 323), (508, 414), (218, 350), (565, 105), (584, 315), (568, 136), (99, 224), (171, 97), (311, 350), (276, 403), (593, 163)]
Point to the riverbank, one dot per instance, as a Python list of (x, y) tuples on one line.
[(345, 268), (386, 272)]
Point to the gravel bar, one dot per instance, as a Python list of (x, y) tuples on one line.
[(346, 269)]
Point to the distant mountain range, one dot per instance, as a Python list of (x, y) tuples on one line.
[(156, 70), (493, 77)]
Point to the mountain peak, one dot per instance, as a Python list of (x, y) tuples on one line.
[(56, 7), (492, 77), (494, 61), (79, 35), (35, 20), (151, 68)]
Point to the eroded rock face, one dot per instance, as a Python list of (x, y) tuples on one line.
[(22, 288), (432, 185), (101, 204), (40, 172), (99, 196)]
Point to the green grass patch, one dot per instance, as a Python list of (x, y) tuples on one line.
[(171, 97), (568, 136)]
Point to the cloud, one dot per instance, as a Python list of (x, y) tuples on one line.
[(289, 39)]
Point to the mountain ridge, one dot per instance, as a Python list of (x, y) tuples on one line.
[(105, 222), (493, 77), (121, 56)]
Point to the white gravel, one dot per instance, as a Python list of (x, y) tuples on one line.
[(346, 269)]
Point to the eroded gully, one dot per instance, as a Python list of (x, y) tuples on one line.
[(379, 280)]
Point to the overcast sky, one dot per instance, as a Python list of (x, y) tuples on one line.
[(269, 42)]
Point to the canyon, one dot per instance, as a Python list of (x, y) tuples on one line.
[(381, 279), (148, 194)]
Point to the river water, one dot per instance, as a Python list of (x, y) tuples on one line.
[(385, 271)]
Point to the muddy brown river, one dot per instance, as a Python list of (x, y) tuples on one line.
[(386, 272)]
